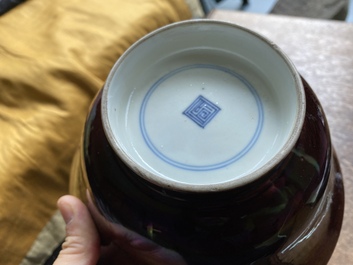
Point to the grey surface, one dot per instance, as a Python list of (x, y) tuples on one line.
[(322, 9)]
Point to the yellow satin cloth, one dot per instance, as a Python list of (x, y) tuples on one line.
[(54, 57)]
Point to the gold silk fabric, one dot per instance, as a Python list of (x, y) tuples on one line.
[(54, 57)]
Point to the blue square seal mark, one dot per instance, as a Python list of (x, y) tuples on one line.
[(201, 111)]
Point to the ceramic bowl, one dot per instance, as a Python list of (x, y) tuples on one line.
[(207, 145)]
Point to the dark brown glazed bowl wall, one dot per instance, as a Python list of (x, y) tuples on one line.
[(292, 215)]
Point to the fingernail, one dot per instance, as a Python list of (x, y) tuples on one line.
[(67, 211)]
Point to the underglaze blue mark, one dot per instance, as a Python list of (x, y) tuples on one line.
[(201, 111), (206, 117)]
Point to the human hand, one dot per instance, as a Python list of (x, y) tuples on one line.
[(82, 245)]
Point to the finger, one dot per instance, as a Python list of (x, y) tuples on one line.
[(81, 246)]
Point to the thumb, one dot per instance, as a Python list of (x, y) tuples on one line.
[(81, 246)]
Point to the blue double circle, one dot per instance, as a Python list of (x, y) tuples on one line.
[(209, 167)]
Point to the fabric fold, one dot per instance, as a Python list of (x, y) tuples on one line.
[(54, 57)]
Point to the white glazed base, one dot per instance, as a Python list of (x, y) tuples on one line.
[(201, 115)]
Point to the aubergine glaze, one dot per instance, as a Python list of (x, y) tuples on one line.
[(292, 215)]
